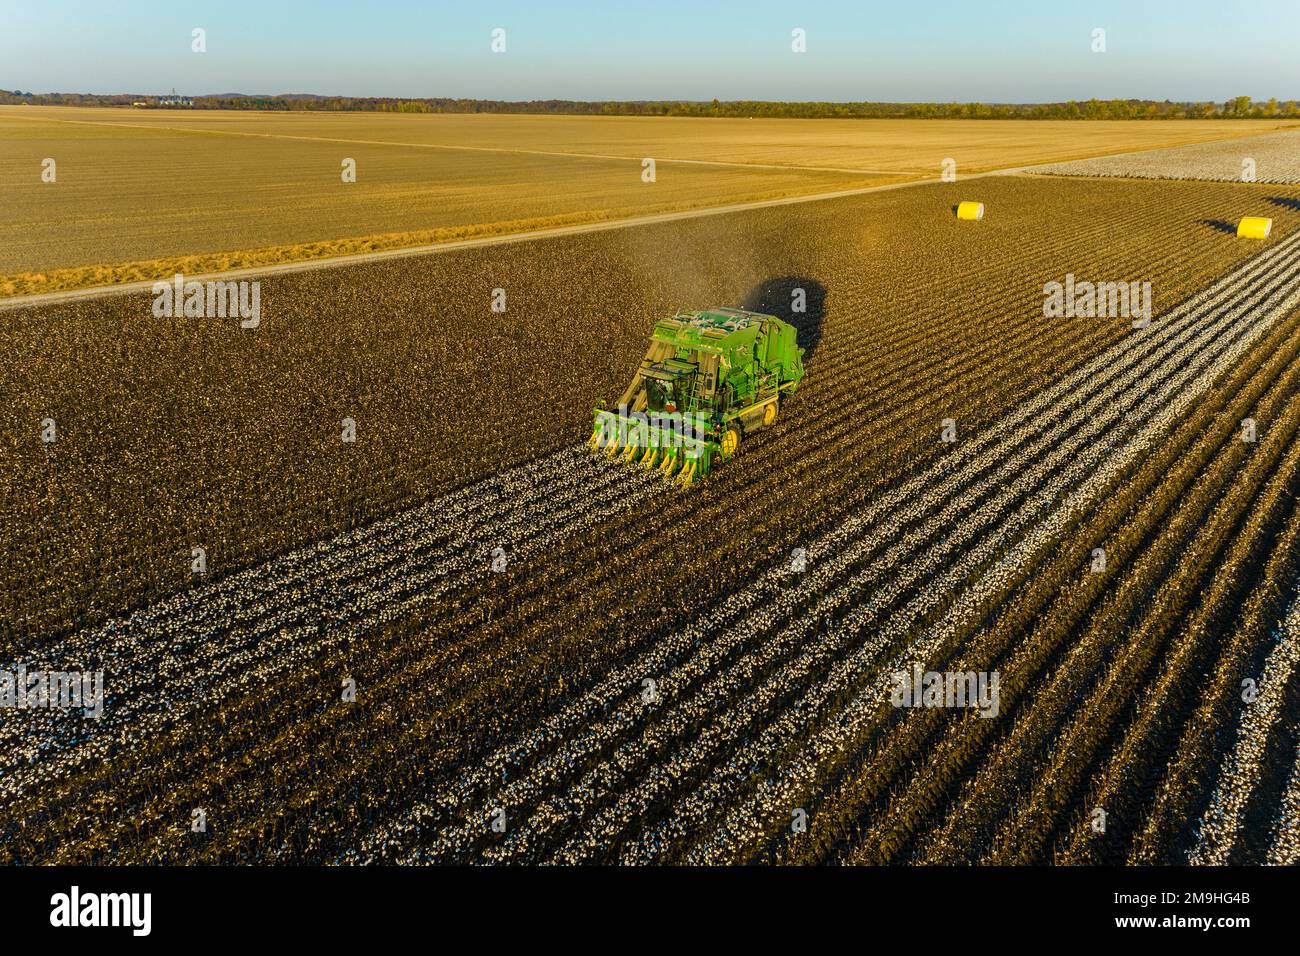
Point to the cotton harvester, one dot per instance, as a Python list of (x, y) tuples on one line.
[(709, 378)]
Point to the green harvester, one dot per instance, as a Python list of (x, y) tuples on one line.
[(709, 378)]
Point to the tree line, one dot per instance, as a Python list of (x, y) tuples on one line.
[(1238, 107)]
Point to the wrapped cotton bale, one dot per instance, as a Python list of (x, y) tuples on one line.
[(972, 211), (1254, 227)]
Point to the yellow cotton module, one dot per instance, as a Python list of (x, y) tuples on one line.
[(1254, 227), (972, 211)]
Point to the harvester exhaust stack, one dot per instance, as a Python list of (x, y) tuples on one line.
[(708, 378)]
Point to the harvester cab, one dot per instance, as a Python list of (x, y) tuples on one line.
[(708, 378)]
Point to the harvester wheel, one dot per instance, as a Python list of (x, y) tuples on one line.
[(769, 415), (730, 441)]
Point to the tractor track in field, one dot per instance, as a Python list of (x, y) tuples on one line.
[(1194, 350)]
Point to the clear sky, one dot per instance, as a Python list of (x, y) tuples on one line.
[(922, 50)]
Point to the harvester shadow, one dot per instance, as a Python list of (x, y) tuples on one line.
[(782, 296), (1286, 202), (1220, 225)]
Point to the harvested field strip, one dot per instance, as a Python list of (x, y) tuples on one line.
[(99, 279), (890, 144), (129, 200), (916, 364), (532, 614), (150, 270), (458, 147)]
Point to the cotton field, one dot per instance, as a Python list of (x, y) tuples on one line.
[(449, 633)]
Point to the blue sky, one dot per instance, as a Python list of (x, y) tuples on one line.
[(931, 50)]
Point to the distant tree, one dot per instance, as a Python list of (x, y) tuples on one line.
[(1237, 106)]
